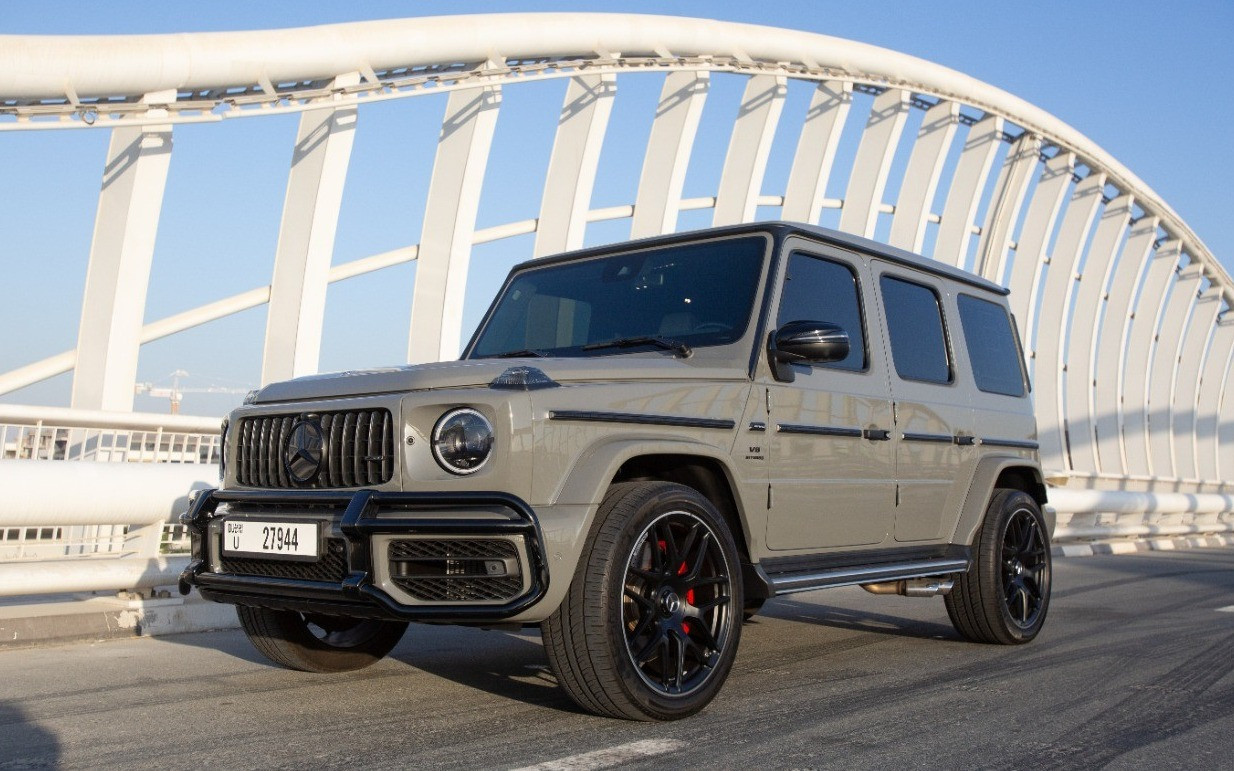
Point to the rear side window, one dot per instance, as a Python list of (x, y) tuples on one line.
[(816, 289), (915, 328), (992, 346)]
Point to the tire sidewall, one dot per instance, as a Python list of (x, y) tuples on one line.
[(1003, 507)]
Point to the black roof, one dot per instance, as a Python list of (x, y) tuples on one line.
[(781, 230)]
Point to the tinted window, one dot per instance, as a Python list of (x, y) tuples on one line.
[(700, 294), (821, 290), (915, 326), (992, 346)]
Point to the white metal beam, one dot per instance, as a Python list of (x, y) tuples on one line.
[(1039, 222), (1055, 314), (668, 153), (1147, 314), (741, 180), (816, 151), (1185, 403), (1112, 347), (306, 239), (1081, 398), (121, 253), (955, 230), (1166, 349), (1216, 375), (925, 166), (1009, 192), (449, 219), (872, 165), (572, 166)]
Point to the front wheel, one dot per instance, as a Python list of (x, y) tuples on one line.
[(1004, 596), (313, 642), (649, 627)]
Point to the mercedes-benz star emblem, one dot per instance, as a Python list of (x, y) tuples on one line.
[(302, 455)]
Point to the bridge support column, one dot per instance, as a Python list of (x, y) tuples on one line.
[(121, 253), (306, 240), (816, 151), (868, 180), (749, 147), (1185, 404), (1169, 344), (925, 166), (1009, 192), (449, 219), (955, 231), (668, 153), (1213, 383)]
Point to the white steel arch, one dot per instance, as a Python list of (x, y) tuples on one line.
[(1122, 308)]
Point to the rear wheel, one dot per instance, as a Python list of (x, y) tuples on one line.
[(1004, 596), (649, 627), (313, 642)]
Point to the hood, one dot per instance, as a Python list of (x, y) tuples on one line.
[(480, 372)]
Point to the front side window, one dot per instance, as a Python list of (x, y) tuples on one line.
[(700, 294), (816, 289), (915, 330), (992, 348)]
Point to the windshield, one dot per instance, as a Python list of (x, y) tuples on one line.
[(697, 294)]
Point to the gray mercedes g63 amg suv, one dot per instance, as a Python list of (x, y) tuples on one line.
[(640, 444)]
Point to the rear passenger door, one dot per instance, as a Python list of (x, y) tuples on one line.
[(933, 417), (831, 464)]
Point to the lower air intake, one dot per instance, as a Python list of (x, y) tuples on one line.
[(478, 570)]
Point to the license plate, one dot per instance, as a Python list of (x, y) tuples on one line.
[(254, 538)]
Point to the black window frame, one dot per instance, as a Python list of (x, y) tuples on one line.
[(948, 350), (861, 310), (1025, 384)]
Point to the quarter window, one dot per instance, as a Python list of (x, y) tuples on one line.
[(992, 348), (816, 289), (915, 328)]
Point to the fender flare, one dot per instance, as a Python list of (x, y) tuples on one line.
[(982, 487)]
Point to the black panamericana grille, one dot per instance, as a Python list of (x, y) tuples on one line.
[(331, 566), (455, 569), (357, 450)]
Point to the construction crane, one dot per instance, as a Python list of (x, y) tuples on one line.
[(175, 394)]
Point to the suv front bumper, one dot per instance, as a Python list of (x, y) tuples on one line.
[(362, 526)]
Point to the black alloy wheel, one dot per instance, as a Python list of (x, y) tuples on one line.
[(1026, 568)]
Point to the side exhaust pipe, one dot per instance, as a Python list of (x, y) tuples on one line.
[(913, 587)]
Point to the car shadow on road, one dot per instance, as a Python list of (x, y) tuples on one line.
[(507, 664), (24, 743), (855, 620)]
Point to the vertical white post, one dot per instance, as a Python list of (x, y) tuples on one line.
[(925, 166), (1185, 402), (1055, 315), (748, 149), (1082, 347), (963, 196), (121, 253), (872, 165), (1112, 351), (1034, 236), (297, 308), (1147, 313), (449, 220), (668, 153), (1169, 341), (572, 166), (816, 151), (1216, 373), (1009, 192), (1225, 426)]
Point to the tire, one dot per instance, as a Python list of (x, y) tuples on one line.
[(1004, 596), (318, 643), (649, 627), (752, 607)]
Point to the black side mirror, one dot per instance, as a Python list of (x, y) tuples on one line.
[(805, 342)]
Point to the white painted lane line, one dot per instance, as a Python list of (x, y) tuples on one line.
[(611, 757), (1228, 609)]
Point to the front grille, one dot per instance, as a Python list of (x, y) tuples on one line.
[(331, 566), (456, 569), (357, 449)]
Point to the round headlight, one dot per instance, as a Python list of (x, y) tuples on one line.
[(462, 441)]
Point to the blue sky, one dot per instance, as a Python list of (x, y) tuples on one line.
[(1136, 77)]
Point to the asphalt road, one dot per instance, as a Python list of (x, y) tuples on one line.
[(1133, 670)]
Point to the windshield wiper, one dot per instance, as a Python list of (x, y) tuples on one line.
[(677, 347), (526, 352)]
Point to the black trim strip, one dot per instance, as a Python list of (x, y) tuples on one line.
[(792, 428), (1015, 443), (649, 420), (908, 436)]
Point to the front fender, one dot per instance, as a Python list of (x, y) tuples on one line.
[(589, 477)]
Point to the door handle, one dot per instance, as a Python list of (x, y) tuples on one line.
[(965, 440), (876, 434)]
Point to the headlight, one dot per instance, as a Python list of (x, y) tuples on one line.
[(462, 441)]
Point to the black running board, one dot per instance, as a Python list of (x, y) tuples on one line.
[(805, 577)]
